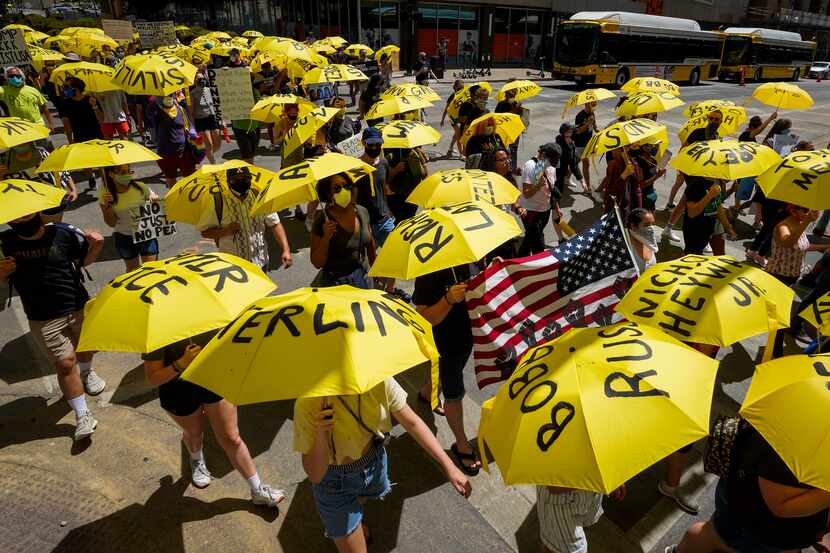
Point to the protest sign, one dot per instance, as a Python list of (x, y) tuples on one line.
[(155, 33), (150, 221), (214, 92), (13, 49), (351, 146), (118, 29), (233, 88), (783, 144)]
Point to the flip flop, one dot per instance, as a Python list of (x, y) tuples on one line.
[(438, 410), (461, 457)]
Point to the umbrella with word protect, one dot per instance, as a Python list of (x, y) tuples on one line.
[(314, 342), (709, 300), (594, 407), (732, 118), (508, 126), (645, 103), (407, 134), (627, 133), (650, 84), (19, 198), (15, 131), (725, 159), (153, 74), (463, 185), (801, 178), (411, 89), (165, 301), (96, 153), (443, 237)]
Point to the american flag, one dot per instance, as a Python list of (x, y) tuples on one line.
[(524, 302)]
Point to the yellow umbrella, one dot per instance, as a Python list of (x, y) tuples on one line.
[(323, 48), (733, 118), (801, 178), (594, 407), (153, 74), (411, 89), (626, 133), (22, 27), (407, 134), (725, 159), (60, 42), (298, 67), (181, 29), (218, 35), (354, 50), (335, 41), (586, 97), (782, 96), (443, 237), (86, 43), (96, 76), (269, 109), (696, 109), (818, 314), (72, 31), (650, 84), (19, 198), (268, 56), (343, 340), (709, 300), (15, 131), (396, 105), (194, 55), (225, 49), (306, 127), (389, 50), (508, 126), (463, 95), (463, 185), (646, 103), (334, 73), (524, 89), (96, 153), (35, 37), (169, 300), (787, 403), (192, 196), (297, 184), (252, 34)]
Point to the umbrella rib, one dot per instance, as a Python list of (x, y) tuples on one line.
[(578, 367)]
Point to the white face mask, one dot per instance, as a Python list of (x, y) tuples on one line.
[(647, 236)]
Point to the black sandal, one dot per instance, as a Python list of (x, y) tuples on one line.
[(438, 410), (461, 457)]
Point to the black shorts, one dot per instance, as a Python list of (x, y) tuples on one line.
[(183, 398), (248, 142), (206, 124), (451, 375)]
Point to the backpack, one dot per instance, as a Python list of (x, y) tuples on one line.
[(720, 446)]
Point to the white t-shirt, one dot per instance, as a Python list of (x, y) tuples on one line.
[(531, 172), (126, 207)]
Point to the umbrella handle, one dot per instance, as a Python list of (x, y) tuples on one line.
[(772, 324)]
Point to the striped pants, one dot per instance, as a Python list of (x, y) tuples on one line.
[(563, 517)]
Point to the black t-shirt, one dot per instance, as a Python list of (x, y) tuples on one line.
[(48, 274), (471, 111), (754, 458), (375, 204), (483, 144), (82, 117), (347, 251), (454, 334), (699, 135), (746, 136), (581, 139), (506, 106)]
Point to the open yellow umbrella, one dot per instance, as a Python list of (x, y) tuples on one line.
[(297, 184), (407, 134), (219, 35), (463, 185), (153, 74), (524, 89), (61, 43), (194, 54), (389, 50), (72, 31), (411, 89), (508, 126), (586, 97), (269, 56), (646, 103), (15, 131), (323, 48), (354, 50), (626, 133), (269, 109), (192, 196), (818, 314), (787, 403), (306, 127), (181, 29), (40, 56), (782, 96), (709, 300), (443, 237), (724, 159), (335, 41), (696, 109), (801, 178), (252, 34), (86, 43), (329, 342), (298, 67), (96, 76), (396, 105), (334, 73), (19, 198), (733, 118), (96, 153), (650, 84), (165, 301), (463, 95), (594, 407)]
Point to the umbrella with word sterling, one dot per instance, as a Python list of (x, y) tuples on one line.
[(523, 90), (818, 314), (782, 96), (192, 196), (334, 73), (801, 178), (708, 300), (396, 105), (627, 133), (314, 342), (153, 74), (19, 198), (463, 95), (594, 407), (411, 89), (165, 301), (650, 84), (297, 184), (645, 103), (586, 97), (270, 108), (787, 403), (725, 159), (96, 153), (15, 131), (407, 134), (463, 185), (696, 109), (306, 128), (97, 77), (508, 126), (733, 118), (443, 237)]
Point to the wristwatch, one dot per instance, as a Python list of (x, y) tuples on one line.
[(176, 367)]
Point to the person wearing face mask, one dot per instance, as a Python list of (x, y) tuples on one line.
[(569, 163), (534, 205), (290, 114), (421, 69), (235, 59), (640, 224), (409, 168), (457, 87), (43, 265), (23, 101), (80, 109), (113, 114), (203, 112), (342, 245), (247, 133), (483, 144), (119, 201), (585, 127), (341, 126), (370, 96), (233, 228), (173, 126), (473, 108)]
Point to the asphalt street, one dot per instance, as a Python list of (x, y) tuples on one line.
[(128, 490)]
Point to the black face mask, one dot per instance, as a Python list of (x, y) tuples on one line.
[(373, 151), (240, 186), (28, 228)]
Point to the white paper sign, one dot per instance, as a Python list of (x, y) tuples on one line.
[(783, 144), (155, 33), (13, 49), (236, 97), (352, 146), (150, 221), (119, 29)]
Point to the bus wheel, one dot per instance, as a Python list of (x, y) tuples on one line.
[(622, 77), (796, 74), (694, 77), (757, 77)]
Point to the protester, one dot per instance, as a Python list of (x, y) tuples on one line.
[(483, 144), (43, 263), (371, 96), (704, 209), (372, 188), (24, 101), (422, 69), (290, 113), (188, 404), (457, 87), (511, 105), (622, 185), (569, 161), (563, 515), (585, 127), (408, 169), (203, 114), (172, 133), (641, 230), (384, 70), (113, 113), (645, 160), (80, 111), (538, 196), (247, 133), (473, 108), (341, 126), (22, 161), (781, 127)]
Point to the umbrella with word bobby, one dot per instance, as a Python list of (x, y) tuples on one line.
[(801, 178), (725, 159), (463, 185), (407, 134), (96, 153), (19, 198)]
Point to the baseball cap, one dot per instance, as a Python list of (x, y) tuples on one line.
[(372, 136), (550, 149)]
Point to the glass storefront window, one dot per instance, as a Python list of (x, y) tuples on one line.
[(379, 23)]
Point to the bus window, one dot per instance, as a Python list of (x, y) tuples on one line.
[(577, 44), (736, 51)]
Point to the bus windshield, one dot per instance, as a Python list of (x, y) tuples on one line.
[(737, 50), (577, 44)]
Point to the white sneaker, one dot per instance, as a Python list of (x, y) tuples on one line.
[(85, 426), (683, 501), (268, 496), (93, 384), (668, 234), (201, 476), (671, 549), (708, 250)]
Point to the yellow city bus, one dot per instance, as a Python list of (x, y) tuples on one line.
[(765, 54), (612, 47)]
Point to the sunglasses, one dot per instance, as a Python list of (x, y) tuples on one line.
[(338, 187)]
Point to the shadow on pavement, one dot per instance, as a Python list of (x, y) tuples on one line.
[(30, 418), (527, 535), (133, 389), (19, 361)]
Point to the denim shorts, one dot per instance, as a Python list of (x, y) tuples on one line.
[(731, 529), (128, 250), (338, 495), (382, 230)]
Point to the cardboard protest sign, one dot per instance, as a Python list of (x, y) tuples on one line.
[(150, 221), (13, 49), (155, 33), (352, 146), (233, 88), (119, 29)]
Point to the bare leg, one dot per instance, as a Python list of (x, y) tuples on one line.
[(586, 174), (69, 377), (678, 182), (132, 264), (353, 543), (209, 146), (702, 538), (455, 418), (223, 420), (675, 464), (193, 430)]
